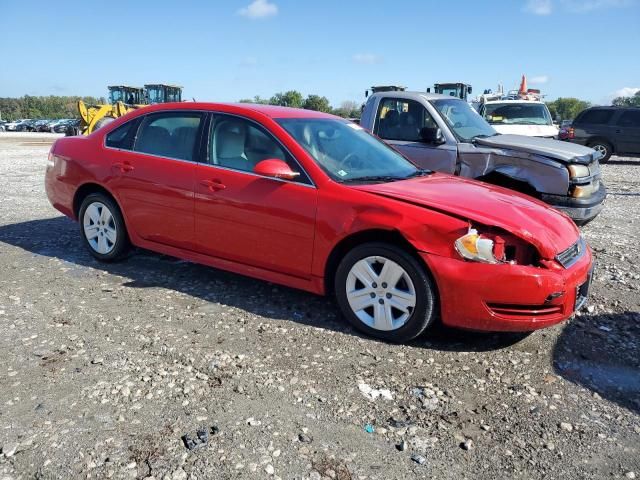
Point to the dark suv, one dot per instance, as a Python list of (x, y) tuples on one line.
[(609, 130)]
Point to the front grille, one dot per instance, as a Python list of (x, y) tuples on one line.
[(571, 255)]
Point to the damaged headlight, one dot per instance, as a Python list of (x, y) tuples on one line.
[(577, 171), (474, 246)]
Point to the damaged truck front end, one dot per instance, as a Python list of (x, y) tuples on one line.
[(570, 183), (445, 134)]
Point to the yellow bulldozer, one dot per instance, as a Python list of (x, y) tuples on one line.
[(122, 99)]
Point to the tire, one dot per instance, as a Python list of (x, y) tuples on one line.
[(378, 317), (102, 122), (603, 147), (100, 214)]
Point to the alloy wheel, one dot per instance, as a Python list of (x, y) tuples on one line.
[(99, 228), (380, 293)]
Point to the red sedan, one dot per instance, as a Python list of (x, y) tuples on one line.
[(314, 202)]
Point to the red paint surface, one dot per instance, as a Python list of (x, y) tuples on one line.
[(285, 232)]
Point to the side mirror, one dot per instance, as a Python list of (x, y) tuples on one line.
[(275, 168), (432, 135), (469, 90)]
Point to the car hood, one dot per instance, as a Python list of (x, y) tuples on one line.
[(535, 222), (564, 151)]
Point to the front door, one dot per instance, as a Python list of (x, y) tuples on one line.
[(399, 121), (247, 218), (154, 175)]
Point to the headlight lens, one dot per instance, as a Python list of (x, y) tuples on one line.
[(473, 246), (578, 171)]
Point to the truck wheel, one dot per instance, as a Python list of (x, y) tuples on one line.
[(604, 148), (102, 122), (385, 292)]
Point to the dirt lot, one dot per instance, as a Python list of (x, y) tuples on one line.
[(104, 368)]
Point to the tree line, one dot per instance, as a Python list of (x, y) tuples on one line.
[(295, 99), (51, 106)]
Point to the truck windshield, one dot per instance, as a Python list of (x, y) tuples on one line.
[(463, 120), (517, 114), (347, 152)]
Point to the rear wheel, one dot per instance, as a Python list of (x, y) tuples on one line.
[(102, 227), (604, 148), (385, 292)]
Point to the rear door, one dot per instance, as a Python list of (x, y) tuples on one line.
[(399, 121), (247, 218), (595, 123), (154, 172), (628, 131)]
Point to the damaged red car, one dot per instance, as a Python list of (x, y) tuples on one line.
[(314, 202)]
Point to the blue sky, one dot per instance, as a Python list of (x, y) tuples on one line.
[(225, 50)]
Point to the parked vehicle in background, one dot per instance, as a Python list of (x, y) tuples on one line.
[(609, 130), (2, 124), (521, 117), (314, 202), (13, 126), (445, 134)]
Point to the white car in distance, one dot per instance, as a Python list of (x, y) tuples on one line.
[(520, 117)]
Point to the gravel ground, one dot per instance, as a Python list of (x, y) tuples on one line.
[(105, 368)]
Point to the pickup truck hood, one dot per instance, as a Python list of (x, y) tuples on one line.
[(535, 222), (566, 152)]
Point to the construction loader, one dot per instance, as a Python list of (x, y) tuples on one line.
[(122, 99)]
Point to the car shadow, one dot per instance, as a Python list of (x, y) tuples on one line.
[(58, 237), (602, 353)]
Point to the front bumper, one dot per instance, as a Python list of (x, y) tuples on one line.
[(508, 298), (581, 210)]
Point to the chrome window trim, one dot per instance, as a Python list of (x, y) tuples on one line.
[(216, 112), (207, 164)]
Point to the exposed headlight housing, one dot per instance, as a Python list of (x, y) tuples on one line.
[(577, 171), (477, 248)]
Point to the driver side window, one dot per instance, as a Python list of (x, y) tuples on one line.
[(240, 144), (402, 120)]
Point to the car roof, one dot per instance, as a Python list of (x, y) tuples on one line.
[(272, 111), (512, 101)]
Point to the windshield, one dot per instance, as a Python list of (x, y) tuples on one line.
[(517, 114), (347, 152), (463, 120)]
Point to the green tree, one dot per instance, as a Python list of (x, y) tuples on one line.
[(633, 101), (257, 99), (567, 108), (292, 98), (51, 106), (348, 109), (317, 103)]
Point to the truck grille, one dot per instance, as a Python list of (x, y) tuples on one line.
[(571, 255)]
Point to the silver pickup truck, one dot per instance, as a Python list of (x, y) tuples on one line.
[(445, 134)]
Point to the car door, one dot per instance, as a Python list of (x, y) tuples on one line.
[(399, 121), (247, 218), (628, 131), (153, 167)]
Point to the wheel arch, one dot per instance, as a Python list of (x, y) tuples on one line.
[(351, 241), (88, 188), (503, 178), (600, 138)]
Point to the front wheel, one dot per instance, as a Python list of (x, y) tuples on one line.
[(385, 292), (102, 227)]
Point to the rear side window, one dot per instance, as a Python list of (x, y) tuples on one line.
[(171, 134), (123, 136), (598, 116), (629, 118)]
